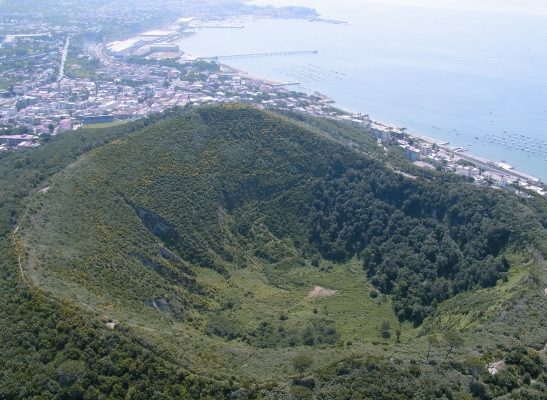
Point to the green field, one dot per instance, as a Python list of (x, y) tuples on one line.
[(105, 125)]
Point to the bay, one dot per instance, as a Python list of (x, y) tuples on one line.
[(471, 73)]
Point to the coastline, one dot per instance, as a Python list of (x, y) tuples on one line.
[(464, 154), (484, 163), (487, 164), (445, 145), (246, 75)]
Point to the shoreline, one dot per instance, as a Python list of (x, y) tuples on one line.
[(488, 164), (485, 163), (246, 75), (464, 154)]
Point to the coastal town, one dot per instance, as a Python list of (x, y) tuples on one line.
[(68, 83)]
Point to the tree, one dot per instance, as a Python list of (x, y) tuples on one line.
[(431, 341), (46, 137), (301, 363), (385, 329), (315, 261), (70, 371), (453, 340)]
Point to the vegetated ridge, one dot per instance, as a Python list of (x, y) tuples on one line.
[(201, 235)]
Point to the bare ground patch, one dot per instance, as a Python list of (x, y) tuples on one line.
[(319, 292)]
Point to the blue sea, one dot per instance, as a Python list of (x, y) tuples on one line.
[(473, 73)]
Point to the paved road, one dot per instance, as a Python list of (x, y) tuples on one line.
[(102, 56), (63, 60)]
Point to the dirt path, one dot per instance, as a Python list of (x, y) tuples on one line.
[(19, 249)]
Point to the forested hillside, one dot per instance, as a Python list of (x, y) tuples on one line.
[(233, 252)]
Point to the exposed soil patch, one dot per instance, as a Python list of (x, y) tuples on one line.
[(319, 291), (496, 367)]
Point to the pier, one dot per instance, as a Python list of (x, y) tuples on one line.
[(217, 26), (286, 84), (256, 55)]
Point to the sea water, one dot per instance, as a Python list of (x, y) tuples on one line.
[(473, 73)]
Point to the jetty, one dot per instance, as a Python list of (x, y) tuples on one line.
[(257, 55)]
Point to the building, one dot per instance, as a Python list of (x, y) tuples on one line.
[(164, 47), (412, 153), (15, 140), (472, 172), (26, 101), (65, 125), (425, 149), (98, 119), (124, 47)]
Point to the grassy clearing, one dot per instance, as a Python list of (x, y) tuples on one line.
[(253, 300), (105, 125), (356, 315)]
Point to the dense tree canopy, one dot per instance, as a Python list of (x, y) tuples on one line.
[(422, 242)]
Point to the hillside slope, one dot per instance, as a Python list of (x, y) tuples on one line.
[(206, 233)]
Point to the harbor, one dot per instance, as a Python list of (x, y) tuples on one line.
[(519, 142)]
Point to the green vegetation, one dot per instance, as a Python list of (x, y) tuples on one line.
[(225, 252), (302, 363), (105, 125), (453, 341), (78, 64)]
